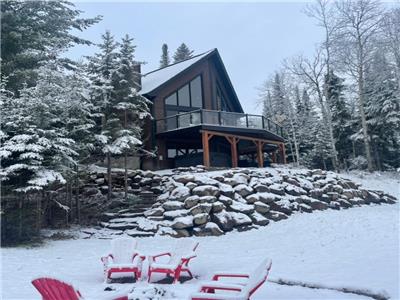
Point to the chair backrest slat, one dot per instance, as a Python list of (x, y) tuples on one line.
[(182, 247), (53, 289), (122, 249), (258, 276)]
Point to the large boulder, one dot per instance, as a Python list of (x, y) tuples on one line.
[(225, 200), (206, 190), (224, 220), (201, 219), (172, 205), (261, 188), (182, 222), (180, 193), (241, 207), (218, 207), (185, 178), (209, 229), (236, 179), (172, 214), (191, 201), (259, 219), (275, 215), (226, 190), (243, 190), (207, 199), (240, 219), (278, 189), (154, 212), (261, 207), (201, 208)]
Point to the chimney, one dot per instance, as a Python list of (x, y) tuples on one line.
[(137, 75)]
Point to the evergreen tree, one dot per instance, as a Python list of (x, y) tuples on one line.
[(129, 104), (36, 150), (102, 68), (31, 30), (182, 53), (340, 116), (383, 112), (165, 60)]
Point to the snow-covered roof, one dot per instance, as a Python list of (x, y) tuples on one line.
[(154, 79)]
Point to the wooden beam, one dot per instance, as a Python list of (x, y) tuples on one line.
[(206, 150), (241, 137)]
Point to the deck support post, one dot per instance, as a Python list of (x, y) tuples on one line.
[(260, 158), (274, 157), (206, 149), (234, 155), (283, 153)]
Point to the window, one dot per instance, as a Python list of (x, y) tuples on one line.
[(171, 100), (189, 96), (184, 96), (196, 93), (221, 101)]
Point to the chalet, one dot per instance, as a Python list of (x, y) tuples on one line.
[(198, 119)]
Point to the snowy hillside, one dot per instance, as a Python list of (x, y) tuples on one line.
[(357, 248)]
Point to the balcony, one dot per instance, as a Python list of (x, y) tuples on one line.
[(217, 118)]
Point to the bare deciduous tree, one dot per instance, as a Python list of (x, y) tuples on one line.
[(312, 73), (361, 21)]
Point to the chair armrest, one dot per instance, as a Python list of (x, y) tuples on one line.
[(219, 275), (213, 285), (105, 259), (154, 257), (189, 255)]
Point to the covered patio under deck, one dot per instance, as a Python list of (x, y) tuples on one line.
[(219, 143)]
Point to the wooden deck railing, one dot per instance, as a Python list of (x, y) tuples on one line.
[(219, 118)]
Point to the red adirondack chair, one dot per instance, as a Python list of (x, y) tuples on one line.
[(54, 289), (123, 258), (237, 291), (178, 261)]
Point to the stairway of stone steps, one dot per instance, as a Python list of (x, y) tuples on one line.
[(127, 218)]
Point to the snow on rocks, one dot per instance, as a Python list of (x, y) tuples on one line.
[(195, 202)]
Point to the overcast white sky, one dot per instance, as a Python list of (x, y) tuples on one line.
[(252, 38)]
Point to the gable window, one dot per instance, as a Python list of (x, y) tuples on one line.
[(221, 100), (186, 98)]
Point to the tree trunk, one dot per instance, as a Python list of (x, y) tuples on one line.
[(326, 116), (126, 163), (324, 163), (109, 175), (20, 218), (39, 212), (363, 117), (77, 202)]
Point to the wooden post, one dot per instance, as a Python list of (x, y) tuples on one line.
[(234, 152), (260, 157), (274, 157), (206, 150), (283, 153)]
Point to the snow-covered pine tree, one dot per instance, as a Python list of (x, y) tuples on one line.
[(383, 112), (129, 105), (182, 53), (101, 69), (342, 129), (36, 150), (29, 29), (165, 60)]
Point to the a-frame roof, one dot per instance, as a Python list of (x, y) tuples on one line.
[(153, 80)]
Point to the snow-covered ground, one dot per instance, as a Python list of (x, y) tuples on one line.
[(356, 248)]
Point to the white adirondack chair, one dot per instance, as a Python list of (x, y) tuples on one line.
[(178, 261), (123, 258), (234, 291)]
